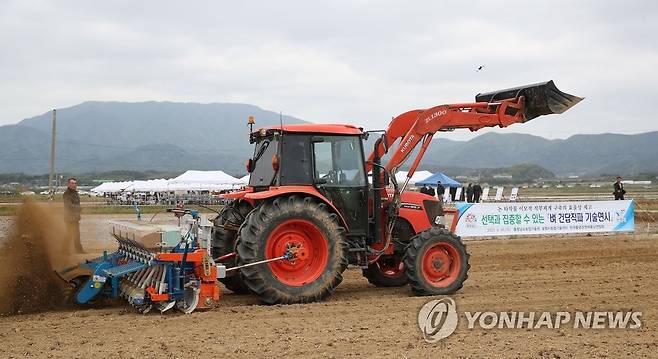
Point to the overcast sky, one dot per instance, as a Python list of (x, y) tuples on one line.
[(359, 62)]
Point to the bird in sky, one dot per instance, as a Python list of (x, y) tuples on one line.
[(480, 68)]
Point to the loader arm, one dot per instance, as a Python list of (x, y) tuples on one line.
[(473, 116), (500, 108)]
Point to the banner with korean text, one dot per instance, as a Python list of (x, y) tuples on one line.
[(530, 218)]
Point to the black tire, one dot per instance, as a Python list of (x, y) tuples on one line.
[(386, 272), (418, 248), (254, 238), (380, 273), (225, 235)]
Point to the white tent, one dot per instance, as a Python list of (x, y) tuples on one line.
[(401, 176), (244, 180), (156, 185), (112, 187), (203, 181), (188, 181)]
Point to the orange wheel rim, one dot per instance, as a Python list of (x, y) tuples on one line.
[(309, 245), (441, 264)]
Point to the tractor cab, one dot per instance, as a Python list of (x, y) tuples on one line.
[(329, 158)]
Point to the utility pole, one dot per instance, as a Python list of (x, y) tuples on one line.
[(51, 192)]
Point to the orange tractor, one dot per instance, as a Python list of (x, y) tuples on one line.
[(309, 210)]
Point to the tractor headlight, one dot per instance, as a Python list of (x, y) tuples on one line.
[(438, 220)]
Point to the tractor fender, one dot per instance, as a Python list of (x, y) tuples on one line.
[(414, 207), (272, 192)]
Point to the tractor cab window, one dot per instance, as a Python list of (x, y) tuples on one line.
[(296, 160), (339, 161), (263, 172)]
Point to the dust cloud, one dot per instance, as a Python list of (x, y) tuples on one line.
[(38, 244)]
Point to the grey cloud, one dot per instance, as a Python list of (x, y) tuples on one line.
[(358, 61)]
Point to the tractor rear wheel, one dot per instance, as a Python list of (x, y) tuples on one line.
[(436, 262), (387, 271), (298, 225), (224, 237)]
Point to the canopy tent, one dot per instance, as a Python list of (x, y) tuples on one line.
[(244, 180), (418, 176), (203, 181), (188, 181), (156, 185), (199, 186), (219, 177), (112, 187), (433, 179)]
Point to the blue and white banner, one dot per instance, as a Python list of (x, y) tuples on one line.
[(530, 218)]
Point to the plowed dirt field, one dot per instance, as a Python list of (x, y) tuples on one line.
[(600, 273)]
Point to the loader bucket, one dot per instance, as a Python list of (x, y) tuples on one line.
[(540, 99)]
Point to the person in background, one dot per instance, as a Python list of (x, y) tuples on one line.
[(477, 192), (430, 191), (462, 196), (424, 189), (72, 213), (440, 190), (453, 193), (619, 190), (469, 193)]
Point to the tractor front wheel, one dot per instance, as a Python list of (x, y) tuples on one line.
[(436, 262), (295, 225)]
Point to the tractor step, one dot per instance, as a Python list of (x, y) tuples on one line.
[(358, 245)]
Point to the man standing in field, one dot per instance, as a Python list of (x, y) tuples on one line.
[(72, 212), (469, 193), (439, 191), (477, 192), (619, 190)]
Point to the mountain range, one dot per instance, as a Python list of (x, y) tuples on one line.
[(168, 136), (163, 136), (583, 155)]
